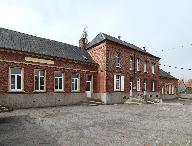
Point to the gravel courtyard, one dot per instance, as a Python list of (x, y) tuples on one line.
[(167, 124)]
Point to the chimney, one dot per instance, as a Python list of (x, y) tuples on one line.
[(168, 72), (119, 37), (82, 42), (144, 49)]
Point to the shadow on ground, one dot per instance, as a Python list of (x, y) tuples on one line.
[(22, 130)]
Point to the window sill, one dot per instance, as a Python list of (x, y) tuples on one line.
[(19, 91), (36, 91), (59, 91), (118, 66)]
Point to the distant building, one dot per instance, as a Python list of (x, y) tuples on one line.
[(181, 86), (168, 85)]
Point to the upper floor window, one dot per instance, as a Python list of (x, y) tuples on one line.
[(153, 68), (75, 82), (16, 79), (138, 64), (39, 80), (138, 85), (58, 81), (131, 63), (145, 66), (117, 59)]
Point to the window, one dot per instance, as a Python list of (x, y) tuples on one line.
[(138, 64), (16, 79), (169, 89), (145, 66), (58, 81), (138, 85), (145, 85), (75, 82), (117, 60), (153, 68), (131, 63), (39, 80), (153, 86), (118, 83), (173, 89)]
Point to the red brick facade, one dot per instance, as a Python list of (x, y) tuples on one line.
[(104, 54), (9, 59)]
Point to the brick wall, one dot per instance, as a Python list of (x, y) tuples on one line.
[(104, 55), (17, 59)]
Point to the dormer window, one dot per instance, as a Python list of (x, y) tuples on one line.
[(117, 59)]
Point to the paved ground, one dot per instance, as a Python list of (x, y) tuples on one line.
[(167, 124)]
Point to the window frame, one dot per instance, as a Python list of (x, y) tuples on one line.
[(153, 68), (44, 77), (145, 67), (118, 59), (138, 61), (138, 85), (22, 80), (62, 77), (145, 84), (115, 83), (78, 82), (131, 63), (153, 86)]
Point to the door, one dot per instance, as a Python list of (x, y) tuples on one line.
[(89, 86), (131, 88)]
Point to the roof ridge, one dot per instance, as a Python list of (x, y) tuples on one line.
[(37, 37)]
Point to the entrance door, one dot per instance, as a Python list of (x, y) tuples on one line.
[(89, 86), (131, 88)]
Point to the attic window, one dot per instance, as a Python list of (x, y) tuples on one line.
[(84, 57)]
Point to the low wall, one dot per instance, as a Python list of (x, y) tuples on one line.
[(121, 97), (40, 100), (164, 97)]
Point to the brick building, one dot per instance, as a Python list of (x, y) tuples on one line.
[(38, 72), (168, 86)]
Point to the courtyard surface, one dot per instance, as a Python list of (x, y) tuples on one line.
[(168, 124)]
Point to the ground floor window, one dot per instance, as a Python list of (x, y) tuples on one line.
[(145, 85), (118, 83), (39, 80), (138, 85), (58, 81), (75, 82), (16, 79), (153, 86)]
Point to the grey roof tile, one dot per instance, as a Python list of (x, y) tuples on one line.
[(164, 74), (23, 42), (102, 36)]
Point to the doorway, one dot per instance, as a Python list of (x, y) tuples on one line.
[(89, 85)]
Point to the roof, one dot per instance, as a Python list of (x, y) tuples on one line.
[(18, 41), (164, 74), (102, 36)]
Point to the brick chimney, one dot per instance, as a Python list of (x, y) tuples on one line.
[(82, 42)]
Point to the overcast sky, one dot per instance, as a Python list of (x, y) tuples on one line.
[(164, 27)]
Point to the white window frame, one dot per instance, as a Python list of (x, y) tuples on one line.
[(145, 66), (73, 80), (138, 64), (58, 78), (170, 90), (138, 85), (145, 84), (16, 75), (39, 77), (153, 68), (173, 89), (115, 82), (153, 86), (117, 59), (131, 63)]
